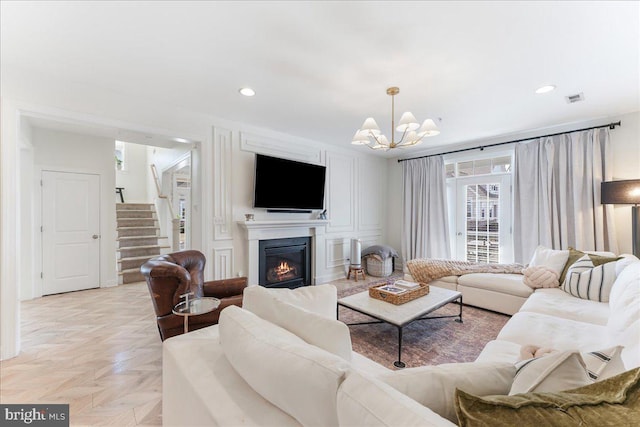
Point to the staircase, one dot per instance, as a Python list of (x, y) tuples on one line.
[(138, 239)]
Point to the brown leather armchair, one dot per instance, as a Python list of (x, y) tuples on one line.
[(171, 275)]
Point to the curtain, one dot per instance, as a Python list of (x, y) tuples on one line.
[(425, 228), (556, 191)]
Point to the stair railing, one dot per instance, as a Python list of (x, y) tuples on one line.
[(175, 221)]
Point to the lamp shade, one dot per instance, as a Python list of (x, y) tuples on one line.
[(360, 138), (428, 128), (625, 192), (407, 122), (371, 125)]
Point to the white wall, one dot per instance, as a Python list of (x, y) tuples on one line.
[(133, 178), (63, 151)]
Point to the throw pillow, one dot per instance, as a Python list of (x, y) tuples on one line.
[(552, 258), (574, 255), (553, 372), (559, 371), (435, 386), (587, 281), (612, 402), (540, 276)]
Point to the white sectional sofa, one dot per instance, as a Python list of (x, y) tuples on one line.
[(283, 360)]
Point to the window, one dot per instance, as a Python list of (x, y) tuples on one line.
[(119, 152), (479, 192)]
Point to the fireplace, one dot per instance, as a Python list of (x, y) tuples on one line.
[(285, 263)]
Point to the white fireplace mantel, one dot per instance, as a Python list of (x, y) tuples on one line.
[(278, 229)]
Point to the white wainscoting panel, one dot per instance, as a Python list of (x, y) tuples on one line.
[(371, 195), (277, 148), (337, 251), (223, 263), (222, 202), (341, 194)]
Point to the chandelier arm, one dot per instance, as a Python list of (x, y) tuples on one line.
[(372, 135), (402, 138), (414, 142)]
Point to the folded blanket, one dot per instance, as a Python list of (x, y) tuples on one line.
[(424, 270)]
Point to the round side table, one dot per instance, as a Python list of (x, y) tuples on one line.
[(194, 307)]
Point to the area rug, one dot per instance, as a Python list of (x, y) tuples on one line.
[(425, 342)]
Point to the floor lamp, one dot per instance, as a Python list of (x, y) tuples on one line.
[(626, 193)]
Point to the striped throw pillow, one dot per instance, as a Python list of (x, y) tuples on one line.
[(586, 281)]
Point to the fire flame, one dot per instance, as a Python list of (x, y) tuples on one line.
[(283, 268)]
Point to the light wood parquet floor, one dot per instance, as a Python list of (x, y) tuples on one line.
[(97, 350)]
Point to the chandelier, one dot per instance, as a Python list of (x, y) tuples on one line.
[(412, 133)]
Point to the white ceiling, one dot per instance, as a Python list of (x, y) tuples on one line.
[(320, 68)]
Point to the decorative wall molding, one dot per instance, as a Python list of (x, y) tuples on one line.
[(372, 195), (222, 201), (223, 263), (341, 193), (337, 252), (277, 148)]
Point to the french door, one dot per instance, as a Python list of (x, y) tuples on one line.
[(483, 219)]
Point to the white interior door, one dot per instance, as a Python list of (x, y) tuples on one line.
[(70, 231)]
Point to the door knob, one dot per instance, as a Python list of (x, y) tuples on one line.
[(95, 236)]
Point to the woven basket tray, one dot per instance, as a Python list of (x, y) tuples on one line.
[(398, 299)]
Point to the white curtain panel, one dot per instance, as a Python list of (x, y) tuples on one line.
[(425, 228), (556, 192)]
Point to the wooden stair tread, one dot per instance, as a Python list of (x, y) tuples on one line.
[(141, 237), (144, 247), (136, 258), (138, 228), (129, 271)]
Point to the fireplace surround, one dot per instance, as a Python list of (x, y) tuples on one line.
[(258, 230)]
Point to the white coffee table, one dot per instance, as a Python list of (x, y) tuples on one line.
[(403, 314)]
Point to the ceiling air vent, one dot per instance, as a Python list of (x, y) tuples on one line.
[(574, 98)]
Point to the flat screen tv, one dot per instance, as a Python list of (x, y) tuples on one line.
[(282, 184)]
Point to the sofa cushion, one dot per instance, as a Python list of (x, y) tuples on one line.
[(612, 402), (542, 330), (435, 386), (556, 302), (328, 334), (624, 300), (272, 361), (505, 283), (630, 340), (552, 258), (587, 280), (365, 401), (319, 299)]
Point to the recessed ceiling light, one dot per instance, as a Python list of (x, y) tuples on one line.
[(545, 89), (184, 141), (247, 91)]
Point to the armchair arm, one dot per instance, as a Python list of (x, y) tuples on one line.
[(225, 288)]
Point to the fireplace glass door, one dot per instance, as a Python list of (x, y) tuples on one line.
[(285, 263)]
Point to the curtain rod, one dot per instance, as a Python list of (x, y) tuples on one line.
[(482, 147)]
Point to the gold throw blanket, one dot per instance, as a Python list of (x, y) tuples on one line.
[(424, 270)]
